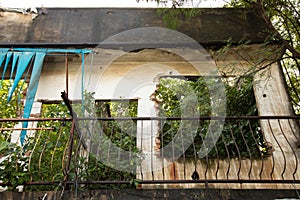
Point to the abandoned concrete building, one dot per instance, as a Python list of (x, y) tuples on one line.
[(116, 60)]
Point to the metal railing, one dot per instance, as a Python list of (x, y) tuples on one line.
[(255, 152)]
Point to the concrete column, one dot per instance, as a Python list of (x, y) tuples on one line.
[(272, 100)]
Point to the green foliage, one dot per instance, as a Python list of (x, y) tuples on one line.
[(239, 137), (172, 91), (11, 109), (120, 133), (13, 165), (281, 18), (118, 108), (172, 17), (282, 21), (42, 156), (291, 69), (47, 147), (92, 169)]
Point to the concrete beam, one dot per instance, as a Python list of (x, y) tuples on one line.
[(91, 26)]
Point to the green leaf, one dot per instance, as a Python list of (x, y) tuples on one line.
[(3, 145)]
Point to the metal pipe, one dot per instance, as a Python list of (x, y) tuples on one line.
[(33, 119), (71, 139), (150, 118), (67, 75), (225, 181), (47, 44), (20, 129), (189, 118)]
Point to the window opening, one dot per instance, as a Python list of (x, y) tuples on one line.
[(240, 137)]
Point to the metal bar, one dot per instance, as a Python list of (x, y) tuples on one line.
[(141, 138), (67, 75), (216, 181), (152, 150), (76, 153), (110, 143), (189, 118), (296, 158), (273, 160), (47, 44), (130, 147), (248, 149), (162, 149), (33, 119), (150, 118), (241, 181), (54, 149), (20, 129), (197, 77), (257, 146), (228, 157), (284, 164), (101, 136), (218, 163), (206, 170), (294, 153), (66, 177), (238, 151), (183, 154)]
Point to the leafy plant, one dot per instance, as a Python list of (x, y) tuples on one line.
[(240, 138), (48, 147), (173, 17), (13, 165), (11, 109), (117, 132)]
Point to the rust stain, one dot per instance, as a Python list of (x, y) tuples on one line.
[(173, 174)]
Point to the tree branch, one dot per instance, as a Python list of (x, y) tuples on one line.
[(267, 19)]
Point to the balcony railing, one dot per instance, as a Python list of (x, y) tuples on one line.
[(142, 152)]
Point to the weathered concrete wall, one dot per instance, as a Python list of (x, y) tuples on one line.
[(112, 70), (135, 75), (14, 26)]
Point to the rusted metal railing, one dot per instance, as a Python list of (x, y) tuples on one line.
[(250, 152)]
